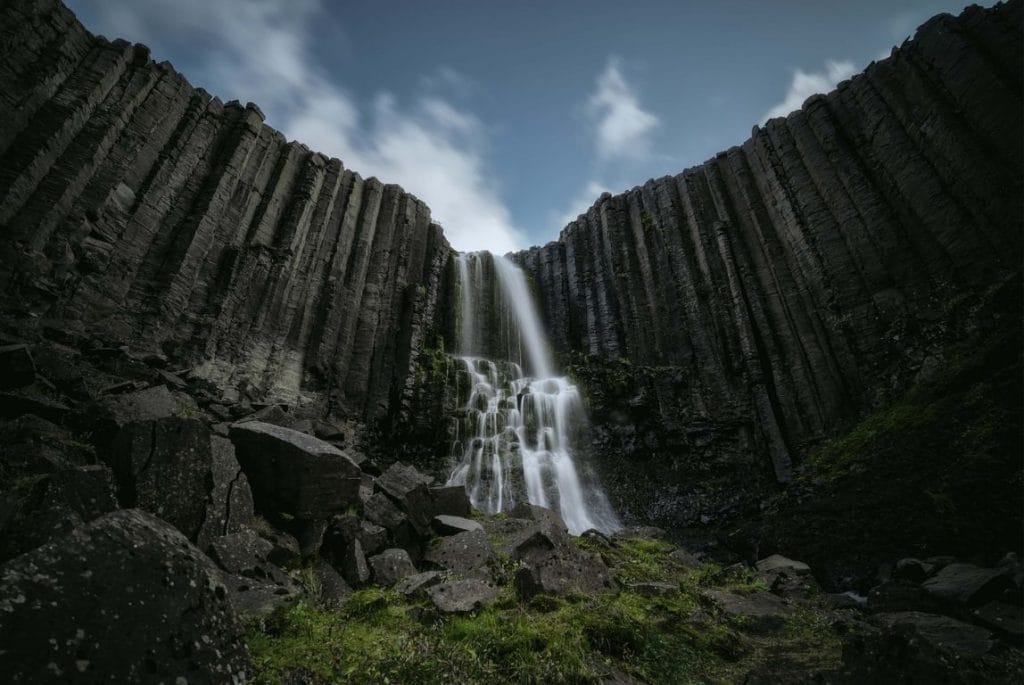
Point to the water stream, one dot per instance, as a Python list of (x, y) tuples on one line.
[(520, 425)]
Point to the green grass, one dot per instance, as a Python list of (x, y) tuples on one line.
[(380, 637)]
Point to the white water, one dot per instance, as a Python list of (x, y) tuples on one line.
[(518, 434)]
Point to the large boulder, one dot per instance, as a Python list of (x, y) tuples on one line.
[(295, 473), (968, 584), (50, 505), (759, 611), (175, 468), (113, 412), (462, 596), (467, 553), (125, 598), (915, 647), (390, 566)]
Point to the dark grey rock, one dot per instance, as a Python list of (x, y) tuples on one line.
[(777, 563), (580, 574), (16, 367), (331, 590), (1002, 617), (463, 553), (125, 597), (414, 585), (912, 570), (391, 566), (452, 525), (451, 500), (462, 596), (165, 466), (50, 505), (901, 595), (293, 472), (760, 611), (968, 584)]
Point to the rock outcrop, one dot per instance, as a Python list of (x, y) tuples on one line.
[(803, 278), (135, 206)]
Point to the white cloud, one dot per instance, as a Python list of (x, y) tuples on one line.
[(581, 203), (805, 84), (259, 50), (623, 127)]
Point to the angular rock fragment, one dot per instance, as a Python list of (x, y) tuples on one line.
[(413, 585), (968, 584), (47, 506), (462, 553), (453, 525), (462, 596), (293, 472), (124, 598), (390, 566)]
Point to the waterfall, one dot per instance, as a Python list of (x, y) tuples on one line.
[(520, 423)]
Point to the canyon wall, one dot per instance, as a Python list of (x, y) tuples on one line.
[(759, 302), (143, 211)]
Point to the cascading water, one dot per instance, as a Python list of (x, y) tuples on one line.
[(519, 428)]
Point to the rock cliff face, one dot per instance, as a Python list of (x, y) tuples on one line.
[(139, 209), (722, 321), (805, 277)]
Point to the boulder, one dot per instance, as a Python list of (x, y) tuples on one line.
[(381, 511), (464, 553), (328, 588), (762, 611), (295, 473), (229, 507), (777, 563), (255, 585), (900, 595), (158, 402), (16, 367), (412, 586), (581, 574), (125, 598), (452, 500), (165, 467), (462, 596), (443, 524), (409, 489), (968, 584), (50, 505), (36, 400), (1002, 617), (915, 647), (912, 570), (390, 566)]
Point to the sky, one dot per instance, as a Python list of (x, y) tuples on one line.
[(510, 118)]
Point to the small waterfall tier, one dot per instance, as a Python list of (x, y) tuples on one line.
[(520, 425)]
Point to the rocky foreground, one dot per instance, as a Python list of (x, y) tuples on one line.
[(150, 531)]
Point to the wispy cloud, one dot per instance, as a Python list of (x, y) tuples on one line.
[(805, 84), (621, 125), (260, 50), (581, 203)]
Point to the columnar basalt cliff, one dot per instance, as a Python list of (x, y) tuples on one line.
[(140, 209), (804, 278), (722, 322)]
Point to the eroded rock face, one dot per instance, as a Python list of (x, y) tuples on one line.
[(125, 597), (808, 275)]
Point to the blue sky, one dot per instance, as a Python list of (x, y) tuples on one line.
[(510, 118)]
